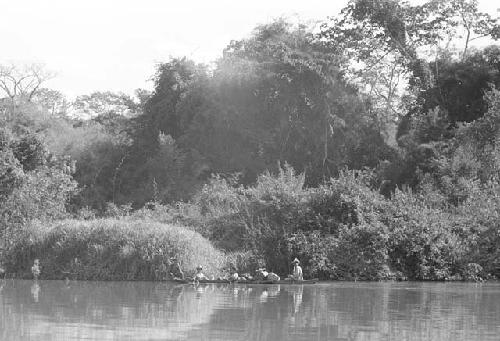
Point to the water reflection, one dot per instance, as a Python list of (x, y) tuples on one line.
[(68, 310), (35, 291)]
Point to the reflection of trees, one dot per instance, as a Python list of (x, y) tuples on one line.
[(358, 311), (336, 311), (132, 310)]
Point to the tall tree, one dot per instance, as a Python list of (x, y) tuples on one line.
[(391, 41), (279, 97), (21, 83)]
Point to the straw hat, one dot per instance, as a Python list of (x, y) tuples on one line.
[(296, 261)]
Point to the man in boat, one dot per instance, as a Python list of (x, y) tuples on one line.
[(233, 273), (35, 269), (199, 274), (297, 271), (261, 274), (229, 274), (175, 269)]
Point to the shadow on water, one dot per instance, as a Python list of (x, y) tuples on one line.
[(55, 310)]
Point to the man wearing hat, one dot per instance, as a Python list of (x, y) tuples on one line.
[(261, 274), (297, 271), (199, 274), (35, 269)]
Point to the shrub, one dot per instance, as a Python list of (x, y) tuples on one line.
[(312, 248), (42, 195), (480, 218), (361, 254), (358, 253), (422, 244), (110, 249), (345, 229), (11, 173)]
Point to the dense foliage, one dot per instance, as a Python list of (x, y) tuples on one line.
[(347, 230), (368, 148)]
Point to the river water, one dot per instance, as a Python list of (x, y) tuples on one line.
[(55, 310)]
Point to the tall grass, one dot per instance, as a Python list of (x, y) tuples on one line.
[(110, 249)]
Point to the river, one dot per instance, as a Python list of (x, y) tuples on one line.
[(56, 310)]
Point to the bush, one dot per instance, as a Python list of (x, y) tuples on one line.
[(11, 173), (312, 248), (345, 229), (358, 253), (422, 244), (42, 195), (110, 249), (361, 254), (480, 218)]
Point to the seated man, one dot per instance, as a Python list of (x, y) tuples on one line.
[(261, 274), (233, 273), (175, 269), (297, 271), (35, 269), (234, 276), (199, 275)]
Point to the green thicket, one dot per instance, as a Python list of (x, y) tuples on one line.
[(345, 229), (109, 249), (35, 184)]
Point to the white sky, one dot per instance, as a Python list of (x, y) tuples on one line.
[(114, 45)]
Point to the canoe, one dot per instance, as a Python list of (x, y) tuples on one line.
[(306, 281), (208, 281)]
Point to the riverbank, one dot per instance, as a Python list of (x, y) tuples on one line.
[(109, 249), (343, 230)]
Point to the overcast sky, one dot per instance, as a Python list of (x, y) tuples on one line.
[(114, 45)]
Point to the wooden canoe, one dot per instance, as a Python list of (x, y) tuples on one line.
[(306, 281), (218, 281), (207, 281)]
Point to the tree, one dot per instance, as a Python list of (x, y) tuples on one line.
[(21, 83), (52, 101), (277, 97), (30, 151), (368, 28), (172, 80), (391, 41), (280, 97), (34, 183), (463, 20), (459, 86), (99, 103)]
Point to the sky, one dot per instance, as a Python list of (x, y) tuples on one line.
[(100, 45)]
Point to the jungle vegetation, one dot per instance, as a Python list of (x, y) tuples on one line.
[(367, 146)]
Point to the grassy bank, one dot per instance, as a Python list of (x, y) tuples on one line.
[(109, 249)]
